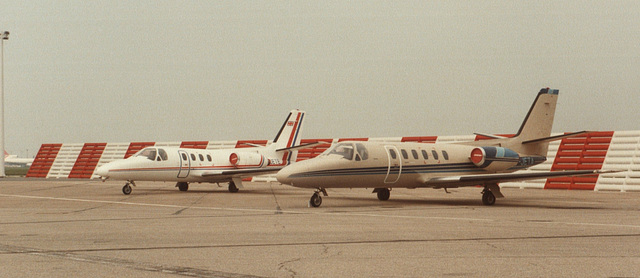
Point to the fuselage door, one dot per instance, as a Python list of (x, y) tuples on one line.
[(395, 164), (185, 164)]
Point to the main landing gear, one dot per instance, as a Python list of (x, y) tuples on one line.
[(316, 200), (126, 189), (490, 193), (383, 193), (182, 186), (488, 198), (232, 187)]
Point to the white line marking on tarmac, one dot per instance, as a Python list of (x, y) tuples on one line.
[(247, 209), (309, 212)]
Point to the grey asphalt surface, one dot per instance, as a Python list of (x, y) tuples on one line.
[(81, 228)]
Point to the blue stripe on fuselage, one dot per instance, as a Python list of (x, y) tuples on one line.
[(413, 169)]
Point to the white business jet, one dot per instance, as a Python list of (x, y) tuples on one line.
[(386, 165), (12, 160), (184, 165)]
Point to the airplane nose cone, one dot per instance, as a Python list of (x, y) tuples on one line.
[(102, 171), (284, 176)]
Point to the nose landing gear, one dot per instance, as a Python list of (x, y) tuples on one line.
[(126, 189), (316, 199)]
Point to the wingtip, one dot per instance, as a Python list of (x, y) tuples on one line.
[(609, 171)]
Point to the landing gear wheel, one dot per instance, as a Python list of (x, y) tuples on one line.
[(384, 194), (233, 188), (126, 189), (182, 186), (316, 200), (488, 198)]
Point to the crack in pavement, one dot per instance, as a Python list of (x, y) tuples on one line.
[(325, 244), (148, 267)]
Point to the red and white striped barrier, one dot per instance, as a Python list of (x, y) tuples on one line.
[(607, 150)]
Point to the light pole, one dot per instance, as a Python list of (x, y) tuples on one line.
[(5, 36)]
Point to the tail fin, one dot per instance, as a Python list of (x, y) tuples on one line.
[(536, 125), (289, 134)]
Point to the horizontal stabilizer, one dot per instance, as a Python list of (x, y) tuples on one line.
[(300, 147), (253, 145), (554, 138), (492, 136)]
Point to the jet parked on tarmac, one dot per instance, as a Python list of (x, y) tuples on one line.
[(386, 165), (184, 165), (12, 160)]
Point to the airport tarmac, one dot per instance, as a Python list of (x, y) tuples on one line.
[(72, 228)]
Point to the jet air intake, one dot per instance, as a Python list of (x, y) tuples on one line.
[(494, 158), (246, 159)]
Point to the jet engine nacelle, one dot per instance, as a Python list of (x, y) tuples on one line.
[(494, 158), (246, 159)]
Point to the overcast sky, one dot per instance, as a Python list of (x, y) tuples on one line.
[(122, 71)]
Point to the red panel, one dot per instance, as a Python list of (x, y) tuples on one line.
[(87, 160), (482, 137), (243, 143), (194, 144), (312, 152), (353, 139), (420, 139), (584, 152), (43, 161), (134, 147)]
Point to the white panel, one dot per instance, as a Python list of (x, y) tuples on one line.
[(386, 139), (623, 154), (65, 160), (627, 133), (456, 138), (168, 144), (214, 145)]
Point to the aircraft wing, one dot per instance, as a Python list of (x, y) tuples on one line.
[(473, 180), (240, 172)]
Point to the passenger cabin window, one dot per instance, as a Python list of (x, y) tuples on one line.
[(201, 157), (193, 157), (445, 155), (209, 157), (424, 154), (435, 154), (404, 154), (342, 149), (415, 154)]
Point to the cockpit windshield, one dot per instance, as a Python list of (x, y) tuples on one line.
[(342, 149), (346, 150), (155, 154)]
